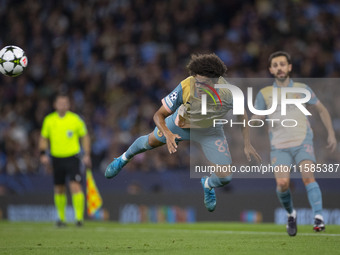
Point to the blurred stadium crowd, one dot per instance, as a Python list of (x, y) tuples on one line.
[(117, 59)]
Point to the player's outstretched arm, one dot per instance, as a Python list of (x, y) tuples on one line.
[(159, 119), (327, 122), (248, 148)]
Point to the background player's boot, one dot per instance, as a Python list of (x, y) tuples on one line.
[(79, 223), (114, 167), (209, 196), (291, 225), (60, 224), (319, 225)]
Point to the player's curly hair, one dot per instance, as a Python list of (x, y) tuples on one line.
[(208, 65)]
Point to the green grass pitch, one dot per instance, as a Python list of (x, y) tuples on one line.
[(198, 238)]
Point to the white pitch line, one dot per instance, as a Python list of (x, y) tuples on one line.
[(228, 232), (149, 230)]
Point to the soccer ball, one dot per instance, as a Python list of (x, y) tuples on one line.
[(13, 61)]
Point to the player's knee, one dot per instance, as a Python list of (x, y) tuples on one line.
[(282, 184), (59, 189), (307, 181), (153, 142), (75, 187)]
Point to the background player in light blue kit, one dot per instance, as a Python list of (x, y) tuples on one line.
[(294, 145)]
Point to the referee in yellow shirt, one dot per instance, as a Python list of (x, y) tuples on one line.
[(63, 130)]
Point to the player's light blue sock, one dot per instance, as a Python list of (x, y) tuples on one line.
[(214, 181), (314, 197), (140, 145), (285, 200)]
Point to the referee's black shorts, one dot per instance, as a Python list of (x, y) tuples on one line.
[(66, 167)]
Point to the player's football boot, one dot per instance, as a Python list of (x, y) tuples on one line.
[(79, 223), (209, 196), (291, 226), (114, 167), (319, 225), (60, 224)]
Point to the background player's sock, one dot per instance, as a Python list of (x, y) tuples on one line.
[(140, 145), (214, 181), (286, 200), (60, 201), (78, 201), (314, 197)]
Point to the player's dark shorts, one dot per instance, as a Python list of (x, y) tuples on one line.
[(66, 167), (212, 140)]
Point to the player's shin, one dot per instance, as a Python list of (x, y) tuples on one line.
[(314, 197), (140, 145), (78, 201), (60, 201), (285, 199), (214, 181)]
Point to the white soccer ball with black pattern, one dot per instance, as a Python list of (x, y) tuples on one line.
[(13, 61)]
